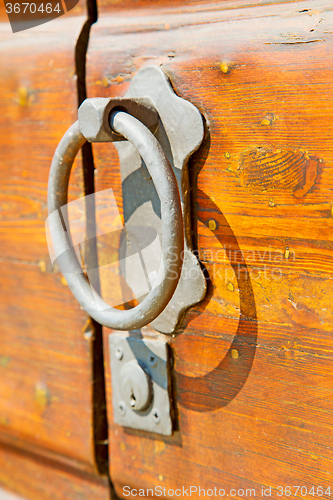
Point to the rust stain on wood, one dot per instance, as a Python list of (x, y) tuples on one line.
[(262, 169)]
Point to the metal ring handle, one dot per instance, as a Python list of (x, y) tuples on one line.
[(172, 225)]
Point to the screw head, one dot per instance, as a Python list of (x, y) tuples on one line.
[(156, 416), (119, 353), (152, 360), (122, 408)]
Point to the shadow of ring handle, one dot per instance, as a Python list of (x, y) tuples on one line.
[(172, 225)]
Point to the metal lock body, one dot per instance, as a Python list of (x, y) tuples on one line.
[(141, 385)]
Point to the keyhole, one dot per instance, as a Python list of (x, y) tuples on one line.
[(133, 400)]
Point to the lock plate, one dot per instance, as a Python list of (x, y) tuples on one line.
[(180, 133), (140, 374)]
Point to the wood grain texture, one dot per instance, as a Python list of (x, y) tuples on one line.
[(42, 480), (47, 393), (254, 361), (6, 495)]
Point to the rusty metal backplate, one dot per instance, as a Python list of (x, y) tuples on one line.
[(180, 132)]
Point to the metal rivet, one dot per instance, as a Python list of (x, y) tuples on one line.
[(122, 408), (152, 360), (156, 416), (119, 353), (225, 68), (212, 224), (234, 354)]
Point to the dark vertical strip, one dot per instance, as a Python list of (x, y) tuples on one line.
[(90, 256)]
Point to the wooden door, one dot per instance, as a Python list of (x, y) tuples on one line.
[(253, 361), (252, 375)]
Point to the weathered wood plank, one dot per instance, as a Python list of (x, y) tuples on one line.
[(32, 479), (47, 393), (253, 361)]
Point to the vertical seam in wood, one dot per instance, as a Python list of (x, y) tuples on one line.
[(100, 426)]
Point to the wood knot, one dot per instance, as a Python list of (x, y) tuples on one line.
[(262, 169)]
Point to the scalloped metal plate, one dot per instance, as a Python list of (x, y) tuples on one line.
[(180, 132)]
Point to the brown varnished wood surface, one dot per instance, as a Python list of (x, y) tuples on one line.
[(178, 6), (46, 340), (28, 477), (253, 362)]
